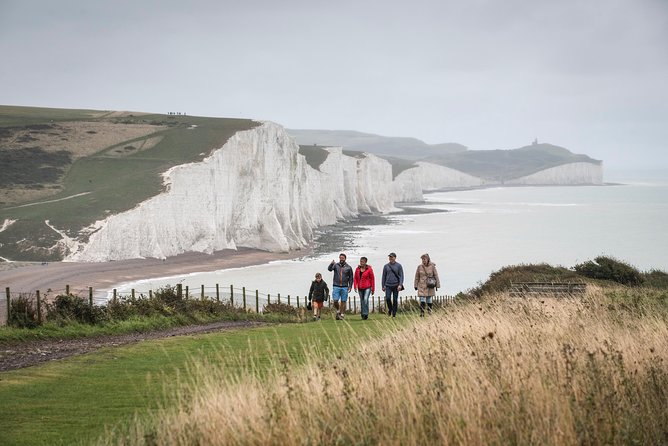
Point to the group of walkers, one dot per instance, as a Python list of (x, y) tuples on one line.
[(363, 281)]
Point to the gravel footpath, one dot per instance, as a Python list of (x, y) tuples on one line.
[(28, 353)]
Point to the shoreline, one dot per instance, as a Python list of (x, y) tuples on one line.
[(52, 278)]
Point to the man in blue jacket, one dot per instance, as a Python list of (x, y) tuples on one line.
[(393, 282), (342, 283)]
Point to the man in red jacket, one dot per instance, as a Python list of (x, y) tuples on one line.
[(365, 285)]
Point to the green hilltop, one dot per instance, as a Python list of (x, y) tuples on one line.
[(74, 167)]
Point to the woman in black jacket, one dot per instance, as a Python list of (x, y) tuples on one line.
[(318, 294)]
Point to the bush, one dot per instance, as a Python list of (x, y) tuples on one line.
[(68, 307), (499, 281), (608, 268), (23, 313), (656, 279), (276, 308)]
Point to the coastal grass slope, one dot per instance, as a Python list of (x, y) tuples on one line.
[(110, 162), (549, 371)]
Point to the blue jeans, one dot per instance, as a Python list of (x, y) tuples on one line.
[(364, 301), (339, 292), (392, 299), (427, 299)]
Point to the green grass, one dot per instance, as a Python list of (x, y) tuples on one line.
[(73, 400), (112, 184)]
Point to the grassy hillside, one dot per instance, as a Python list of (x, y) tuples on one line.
[(500, 165), (73, 167), (493, 165)]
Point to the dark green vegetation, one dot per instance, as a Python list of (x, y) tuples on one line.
[(71, 401), (111, 180), (602, 271), (69, 315)]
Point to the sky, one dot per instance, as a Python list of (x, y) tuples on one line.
[(588, 75)]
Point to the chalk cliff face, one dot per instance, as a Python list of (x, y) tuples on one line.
[(409, 184), (256, 191), (566, 174)]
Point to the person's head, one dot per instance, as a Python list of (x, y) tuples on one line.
[(392, 257), (318, 277), (425, 259), (363, 261), (342, 258)]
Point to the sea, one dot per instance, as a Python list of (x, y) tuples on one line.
[(471, 233)]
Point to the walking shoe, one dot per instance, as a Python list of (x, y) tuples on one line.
[(315, 318), (338, 316), (342, 315)]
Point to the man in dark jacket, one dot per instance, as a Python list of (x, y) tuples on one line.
[(392, 282), (342, 283)]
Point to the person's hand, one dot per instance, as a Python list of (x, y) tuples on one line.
[(383, 288), (349, 290), (333, 262), (400, 287), (356, 290)]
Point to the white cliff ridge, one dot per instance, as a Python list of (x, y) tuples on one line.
[(566, 174), (409, 184), (256, 191)]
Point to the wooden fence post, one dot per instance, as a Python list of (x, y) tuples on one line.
[(39, 309), (179, 291), (257, 301), (232, 295), (67, 290), (9, 304), (114, 299), (355, 305), (268, 299), (243, 293), (133, 293), (279, 298), (288, 300), (217, 293), (150, 294), (187, 292), (373, 304), (299, 300), (90, 296), (202, 294)]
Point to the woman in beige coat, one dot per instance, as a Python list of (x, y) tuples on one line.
[(426, 283)]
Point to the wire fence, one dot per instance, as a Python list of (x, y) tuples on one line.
[(237, 297)]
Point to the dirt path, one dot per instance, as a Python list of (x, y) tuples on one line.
[(25, 354)]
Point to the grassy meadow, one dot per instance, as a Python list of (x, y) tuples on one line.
[(544, 371)]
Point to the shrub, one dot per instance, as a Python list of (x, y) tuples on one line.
[(656, 279), (68, 307), (276, 308), (608, 268), (23, 313)]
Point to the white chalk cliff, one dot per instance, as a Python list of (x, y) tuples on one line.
[(566, 174), (256, 191), (411, 183)]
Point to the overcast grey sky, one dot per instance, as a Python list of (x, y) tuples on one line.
[(591, 76)]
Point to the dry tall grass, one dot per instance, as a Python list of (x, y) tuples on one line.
[(501, 371)]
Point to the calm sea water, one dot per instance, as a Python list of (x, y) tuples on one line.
[(470, 234)]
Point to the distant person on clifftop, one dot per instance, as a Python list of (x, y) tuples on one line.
[(342, 283), (318, 294), (392, 282), (365, 285), (426, 283)]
